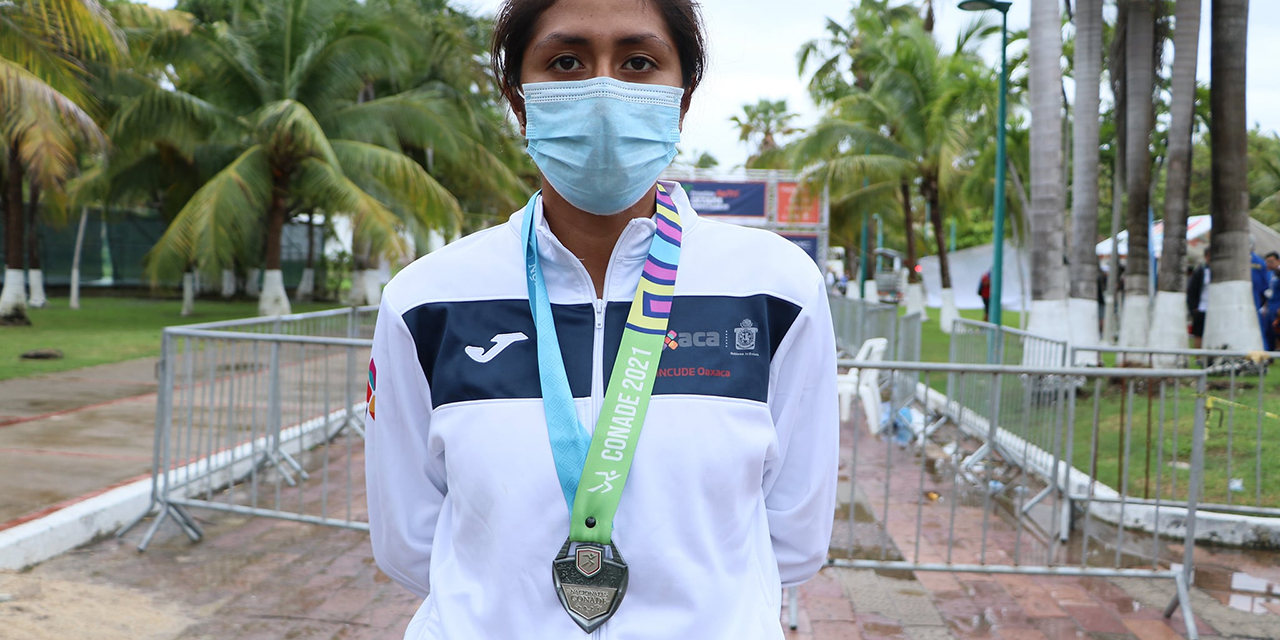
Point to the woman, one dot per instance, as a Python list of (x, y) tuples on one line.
[(514, 370)]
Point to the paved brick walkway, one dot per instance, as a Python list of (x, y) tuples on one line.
[(67, 434), (260, 579)]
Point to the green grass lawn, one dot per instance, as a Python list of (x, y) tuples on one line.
[(1232, 434), (108, 330)]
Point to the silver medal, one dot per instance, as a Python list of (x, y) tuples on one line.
[(589, 583)]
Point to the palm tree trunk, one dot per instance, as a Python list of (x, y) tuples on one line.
[(274, 301), (914, 293), (306, 286), (35, 274), (75, 259), (1048, 200), (1119, 87), (948, 314), (1232, 320), (1169, 315), (908, 225), (13, 301), (1135, 319), (1083, 305)]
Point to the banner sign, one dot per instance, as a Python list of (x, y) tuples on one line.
[(727, 198), (806, 241), (797, 207)]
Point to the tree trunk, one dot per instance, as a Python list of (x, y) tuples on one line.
[(1169, 318), (75, 259), (188, 292), (274, 301), (1048, 201), (306, 286), (909, 226), (1232, 319), (930, 191), (1135, 318), (1084, 184), (1119, 85), (359, 268), (1020, 233), (13, 301), (35, 272)]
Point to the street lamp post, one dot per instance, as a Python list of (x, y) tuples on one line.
[(997, 267)]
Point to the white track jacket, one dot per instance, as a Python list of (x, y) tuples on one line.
[(732, 490)]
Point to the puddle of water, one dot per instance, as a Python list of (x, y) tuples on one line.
[(1237, 589), (860, 513), (1219, 573), (886, 630)]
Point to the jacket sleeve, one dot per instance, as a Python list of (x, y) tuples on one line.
[(800, 483), (405, 479)]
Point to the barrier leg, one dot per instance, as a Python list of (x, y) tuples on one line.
[(793, 608)]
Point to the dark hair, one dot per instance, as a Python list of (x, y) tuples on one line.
[(516, 20), (1273, 254)]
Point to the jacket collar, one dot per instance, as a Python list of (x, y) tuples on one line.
[(633, 244)]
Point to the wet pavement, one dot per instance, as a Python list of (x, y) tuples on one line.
[(259, 578), (68, 434)]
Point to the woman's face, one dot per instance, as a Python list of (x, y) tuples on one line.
[(584, 39)]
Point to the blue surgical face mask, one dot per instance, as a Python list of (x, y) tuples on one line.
[(602, 143)]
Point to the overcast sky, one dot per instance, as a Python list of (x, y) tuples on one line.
[(754, 45)]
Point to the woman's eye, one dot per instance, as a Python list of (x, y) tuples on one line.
[(566, 63), (639, 64)]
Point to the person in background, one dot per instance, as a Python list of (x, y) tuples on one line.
[(1261, 280), (984, 292), (1271, 309), (1198, 300)]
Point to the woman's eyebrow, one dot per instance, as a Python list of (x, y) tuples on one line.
[(643, 38), (557, 37), (580, 40)]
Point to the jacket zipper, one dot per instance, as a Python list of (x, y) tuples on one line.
[(597, 351)]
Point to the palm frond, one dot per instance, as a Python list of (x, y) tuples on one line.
[(23, 96), (217, 220), (162, 114), (325, 186), (288, 129), (429, 203)]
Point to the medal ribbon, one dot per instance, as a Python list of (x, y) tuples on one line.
[(593, 471)]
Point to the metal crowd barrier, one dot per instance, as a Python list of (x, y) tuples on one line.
[(857, 321), (262, 416), (1243, 407), (974, 342), (1018, 485)]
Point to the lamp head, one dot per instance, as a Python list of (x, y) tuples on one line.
[(983, 5)]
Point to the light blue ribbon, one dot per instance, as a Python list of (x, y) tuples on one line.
[(569, 439)]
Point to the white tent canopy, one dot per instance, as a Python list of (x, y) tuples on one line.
[(1198, 228)]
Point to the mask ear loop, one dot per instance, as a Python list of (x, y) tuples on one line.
[(522, 116)]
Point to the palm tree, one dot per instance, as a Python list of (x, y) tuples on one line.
[(1232, 320), (1119, 88), (1139, 122), (911, 124), (284, 95), (1169, 315), (1048, 273), (762, 124), (43, 47), (849, 54), (1084, 184)]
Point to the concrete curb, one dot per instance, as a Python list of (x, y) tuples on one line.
[(99, 515), (1211, 526), (65, 529)]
